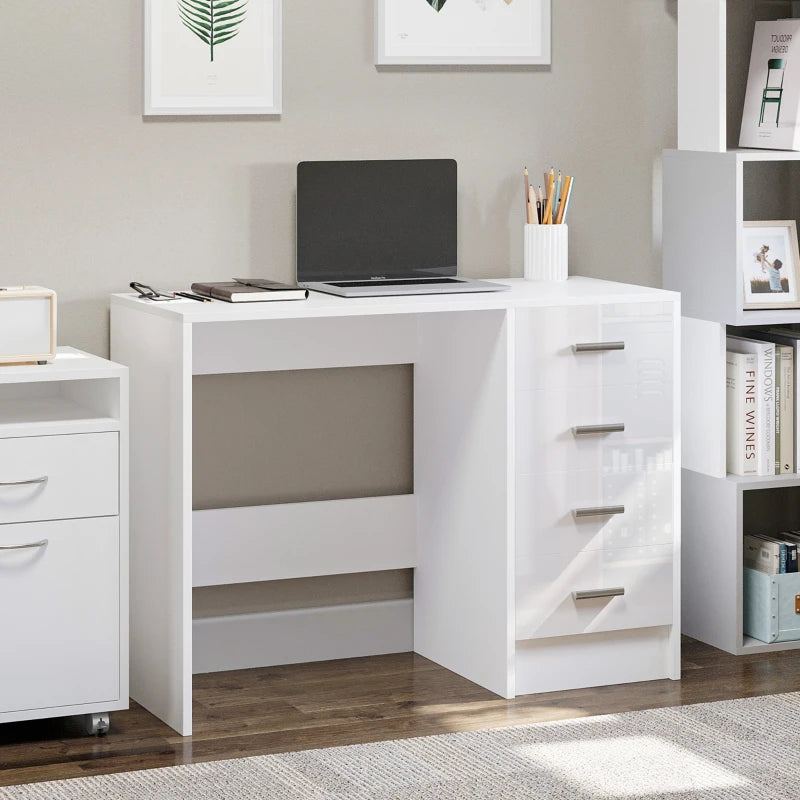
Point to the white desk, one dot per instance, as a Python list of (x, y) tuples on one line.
[(489, 529)]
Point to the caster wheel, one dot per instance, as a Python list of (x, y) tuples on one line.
[(97, 724)]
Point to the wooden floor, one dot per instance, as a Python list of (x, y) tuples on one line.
[(297, 707)]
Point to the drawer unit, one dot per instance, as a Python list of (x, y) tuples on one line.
[(553, 511), (64, 539), (599, 590), (598, 427), (59, 588), (59, 477), (581, 346)]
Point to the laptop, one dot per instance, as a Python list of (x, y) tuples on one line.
[(377, 228)]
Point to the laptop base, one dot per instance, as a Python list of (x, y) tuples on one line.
[(401, 287)]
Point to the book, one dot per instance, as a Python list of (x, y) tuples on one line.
[(249, 290), (741, 426), (761, 554), (785, 396), (765, 385), (771, 109)]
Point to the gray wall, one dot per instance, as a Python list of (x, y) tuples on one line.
[(93, 196)]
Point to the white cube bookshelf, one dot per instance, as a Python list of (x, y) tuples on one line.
[(710, 188)]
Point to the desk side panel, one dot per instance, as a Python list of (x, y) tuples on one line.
[(158, 353), (463, 457)]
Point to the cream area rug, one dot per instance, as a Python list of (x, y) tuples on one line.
[(748, 749)]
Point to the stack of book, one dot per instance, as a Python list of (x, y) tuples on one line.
[(762, 430), (773, 555)]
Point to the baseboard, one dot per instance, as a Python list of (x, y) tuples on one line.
[(266, 639)]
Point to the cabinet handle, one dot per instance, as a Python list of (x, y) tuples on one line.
[(598, 511), (590, 594), (597, 347), (29, 546), (28, 482), (587, 430)]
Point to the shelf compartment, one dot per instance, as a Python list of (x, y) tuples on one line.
[(707, 197), (59, 407)]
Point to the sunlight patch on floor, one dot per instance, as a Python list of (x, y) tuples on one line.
[(630, 766)]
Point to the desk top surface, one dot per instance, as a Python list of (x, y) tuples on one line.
[(521, 294)]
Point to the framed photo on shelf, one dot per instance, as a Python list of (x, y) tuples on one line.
[(209, 57), (462, 31), (771, 265)]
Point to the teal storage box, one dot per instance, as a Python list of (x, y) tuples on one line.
[(771, 606)]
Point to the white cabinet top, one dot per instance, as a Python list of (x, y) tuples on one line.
[(521, 294), (68, 365)]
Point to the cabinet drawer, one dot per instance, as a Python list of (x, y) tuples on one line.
[(554, 427), (547, 525), (546, 339), (546, 605), (59, 477), (60, 632)]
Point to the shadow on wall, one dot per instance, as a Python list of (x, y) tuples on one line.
[(272, 255)]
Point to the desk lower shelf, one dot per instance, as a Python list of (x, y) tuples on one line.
[(300, 540)]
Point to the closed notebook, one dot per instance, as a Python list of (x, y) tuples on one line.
[(250, 290)]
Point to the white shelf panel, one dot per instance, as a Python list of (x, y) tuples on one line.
[(68, 365), (747, 154), (750, 645), (764, 481), (48, 416), (297, 540)]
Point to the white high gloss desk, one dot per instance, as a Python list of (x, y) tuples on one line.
[(543, 527)]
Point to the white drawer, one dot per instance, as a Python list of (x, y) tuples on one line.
[(81, 472), (546, 440), (547, 525), (546, 606), (545, 355), (60, 601)]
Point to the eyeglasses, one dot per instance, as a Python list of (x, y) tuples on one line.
[(149, 293)]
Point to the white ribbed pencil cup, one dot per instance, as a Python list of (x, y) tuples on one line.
[(546, 251)]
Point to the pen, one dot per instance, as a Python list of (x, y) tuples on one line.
[(557, 196), (190, 296), (540, 206)]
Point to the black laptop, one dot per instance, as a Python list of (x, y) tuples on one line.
[(374, 228)]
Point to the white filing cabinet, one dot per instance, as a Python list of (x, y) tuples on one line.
[(597, 495), (64, 539)]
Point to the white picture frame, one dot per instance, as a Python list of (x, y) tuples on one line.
[(462, 32), (770, 260), (237, 71)]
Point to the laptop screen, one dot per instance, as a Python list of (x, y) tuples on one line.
[(359, 220)]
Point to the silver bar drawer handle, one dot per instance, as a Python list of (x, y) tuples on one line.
[(598, 511), (590, 594), (588, 430), (30, 546), (597, 347), (28, 482)]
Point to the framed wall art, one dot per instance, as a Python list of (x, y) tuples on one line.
[(771, 265), (208, 57), (462, 31)]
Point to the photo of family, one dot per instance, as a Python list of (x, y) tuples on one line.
[(770, 255)]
